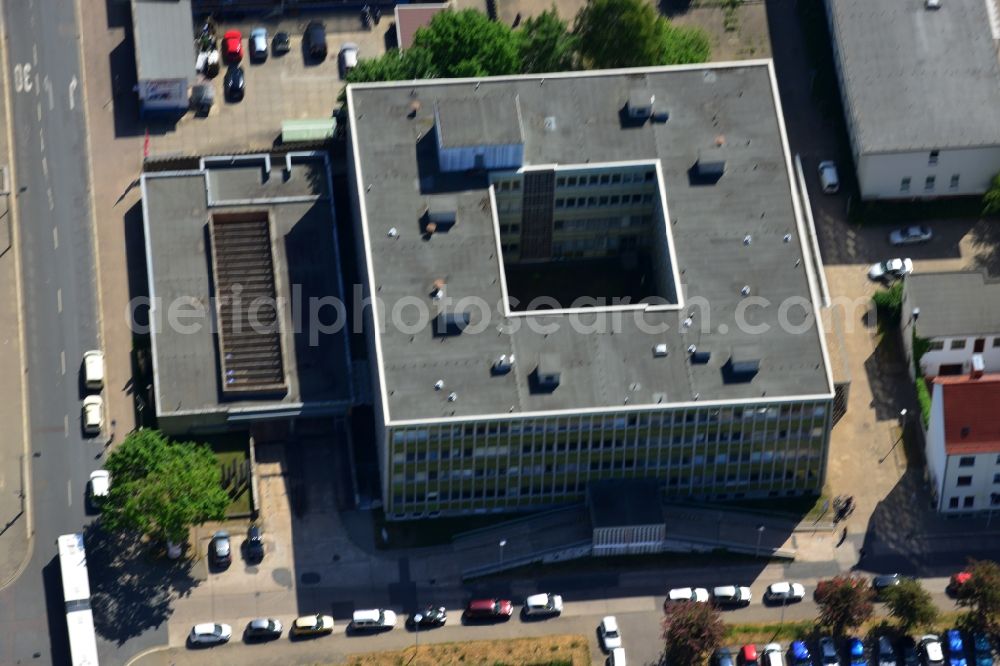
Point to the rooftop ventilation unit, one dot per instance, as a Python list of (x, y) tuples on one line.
[(932, 4), (742, 366), (548, 374), (450, 323), (640, 104), (503, 364), (700, 357), (660, 350), (978, 366), (439, 215)]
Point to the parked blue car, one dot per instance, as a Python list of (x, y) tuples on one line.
[(799, 654), (983, 650), (856, 652), (956, 651)]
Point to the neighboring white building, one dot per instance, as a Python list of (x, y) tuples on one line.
[(963, 443), (958, 313), (920, 88), (163, 32)]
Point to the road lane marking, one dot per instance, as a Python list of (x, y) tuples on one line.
[(69, 492), (72, 90), (48, 89), (39, 109), (52, 202), (34, 54), (37, 88), (59, 305), (66, 425), (45, 167), (41, 139), (55, 237), (62, 360)]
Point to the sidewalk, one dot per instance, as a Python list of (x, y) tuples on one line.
[(15, 537)]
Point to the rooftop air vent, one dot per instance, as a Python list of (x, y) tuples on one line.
[(451, 323), (701, 357), (710, 167), (503, 364), (932, 4), (640, 104), (742, 366), (438, 385), (660, 350), (547, 374), (392, 233), (452, 397)]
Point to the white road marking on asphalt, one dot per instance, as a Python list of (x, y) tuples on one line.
[(69, 492), (39, 108), (37, 89), (52, 203), (59, 305), (62, 354), (41, 138), (72, 90), (55, 237), (34, 53), (48, 89), (66, 425), (45, 167)]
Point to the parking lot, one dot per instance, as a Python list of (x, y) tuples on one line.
[(283, 87)]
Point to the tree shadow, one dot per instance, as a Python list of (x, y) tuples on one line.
[(985, 237), (131, 586), (672, 8), (887, 373)]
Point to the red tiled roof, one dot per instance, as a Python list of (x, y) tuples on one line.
[(411, 17), (971, 414)]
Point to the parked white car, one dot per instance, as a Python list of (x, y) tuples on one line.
[(785, 591), (611, 638), (731, 595), (375, 618), (698, 594), (209, 633), (772, 655), (258, 44), (616, 658), (543, 604), (93, 369), (912, 235), (891, 269), (93, 414), (348, 57), (828, 177), (100, 484)]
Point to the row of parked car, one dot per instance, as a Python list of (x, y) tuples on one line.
[(376, 619), (929, 650)]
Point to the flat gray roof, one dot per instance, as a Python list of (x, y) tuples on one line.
[(486, 120), (628, 502), (955, 303), (609, 369), (177, 207), (163, 32), (918, 79)]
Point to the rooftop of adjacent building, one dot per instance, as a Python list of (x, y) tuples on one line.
[(163, 34), (180, 209), (576, 119), (971, 417), (954, 303), (918, 78)]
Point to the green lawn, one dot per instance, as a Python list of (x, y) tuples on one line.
[(229, 447)]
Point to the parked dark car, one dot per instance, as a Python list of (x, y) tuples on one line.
[(722, 657), (982, 650), (315, 40), (489, 609), (254, 545), (220, 549), (430, 616), (235, 84), (281, 43), (882, 583), (908, 652), (262, 629)]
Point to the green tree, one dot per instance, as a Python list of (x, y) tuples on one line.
[(394, 65), (545, 44), (467, 43), (690, 630), (911, 605), (632, 33), (981, 594), (991, 200), (162, 488), (845, 602)]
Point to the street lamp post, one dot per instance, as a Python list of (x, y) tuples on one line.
[(760, 533), (503, 542), (417, 619)]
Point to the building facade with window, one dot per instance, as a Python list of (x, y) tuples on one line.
[(916, 83), (586, 276), (955, 316), (963, 443)]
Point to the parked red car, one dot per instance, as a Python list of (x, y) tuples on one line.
[(957, 581), (232, 46), (748, 655), (489, 609)]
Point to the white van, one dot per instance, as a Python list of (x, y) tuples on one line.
[(93, 369), (348, 57), (375, 618)]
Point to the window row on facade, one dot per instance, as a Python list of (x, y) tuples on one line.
[(930, 183)]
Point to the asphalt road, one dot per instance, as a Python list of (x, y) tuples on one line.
[(60, 317)]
